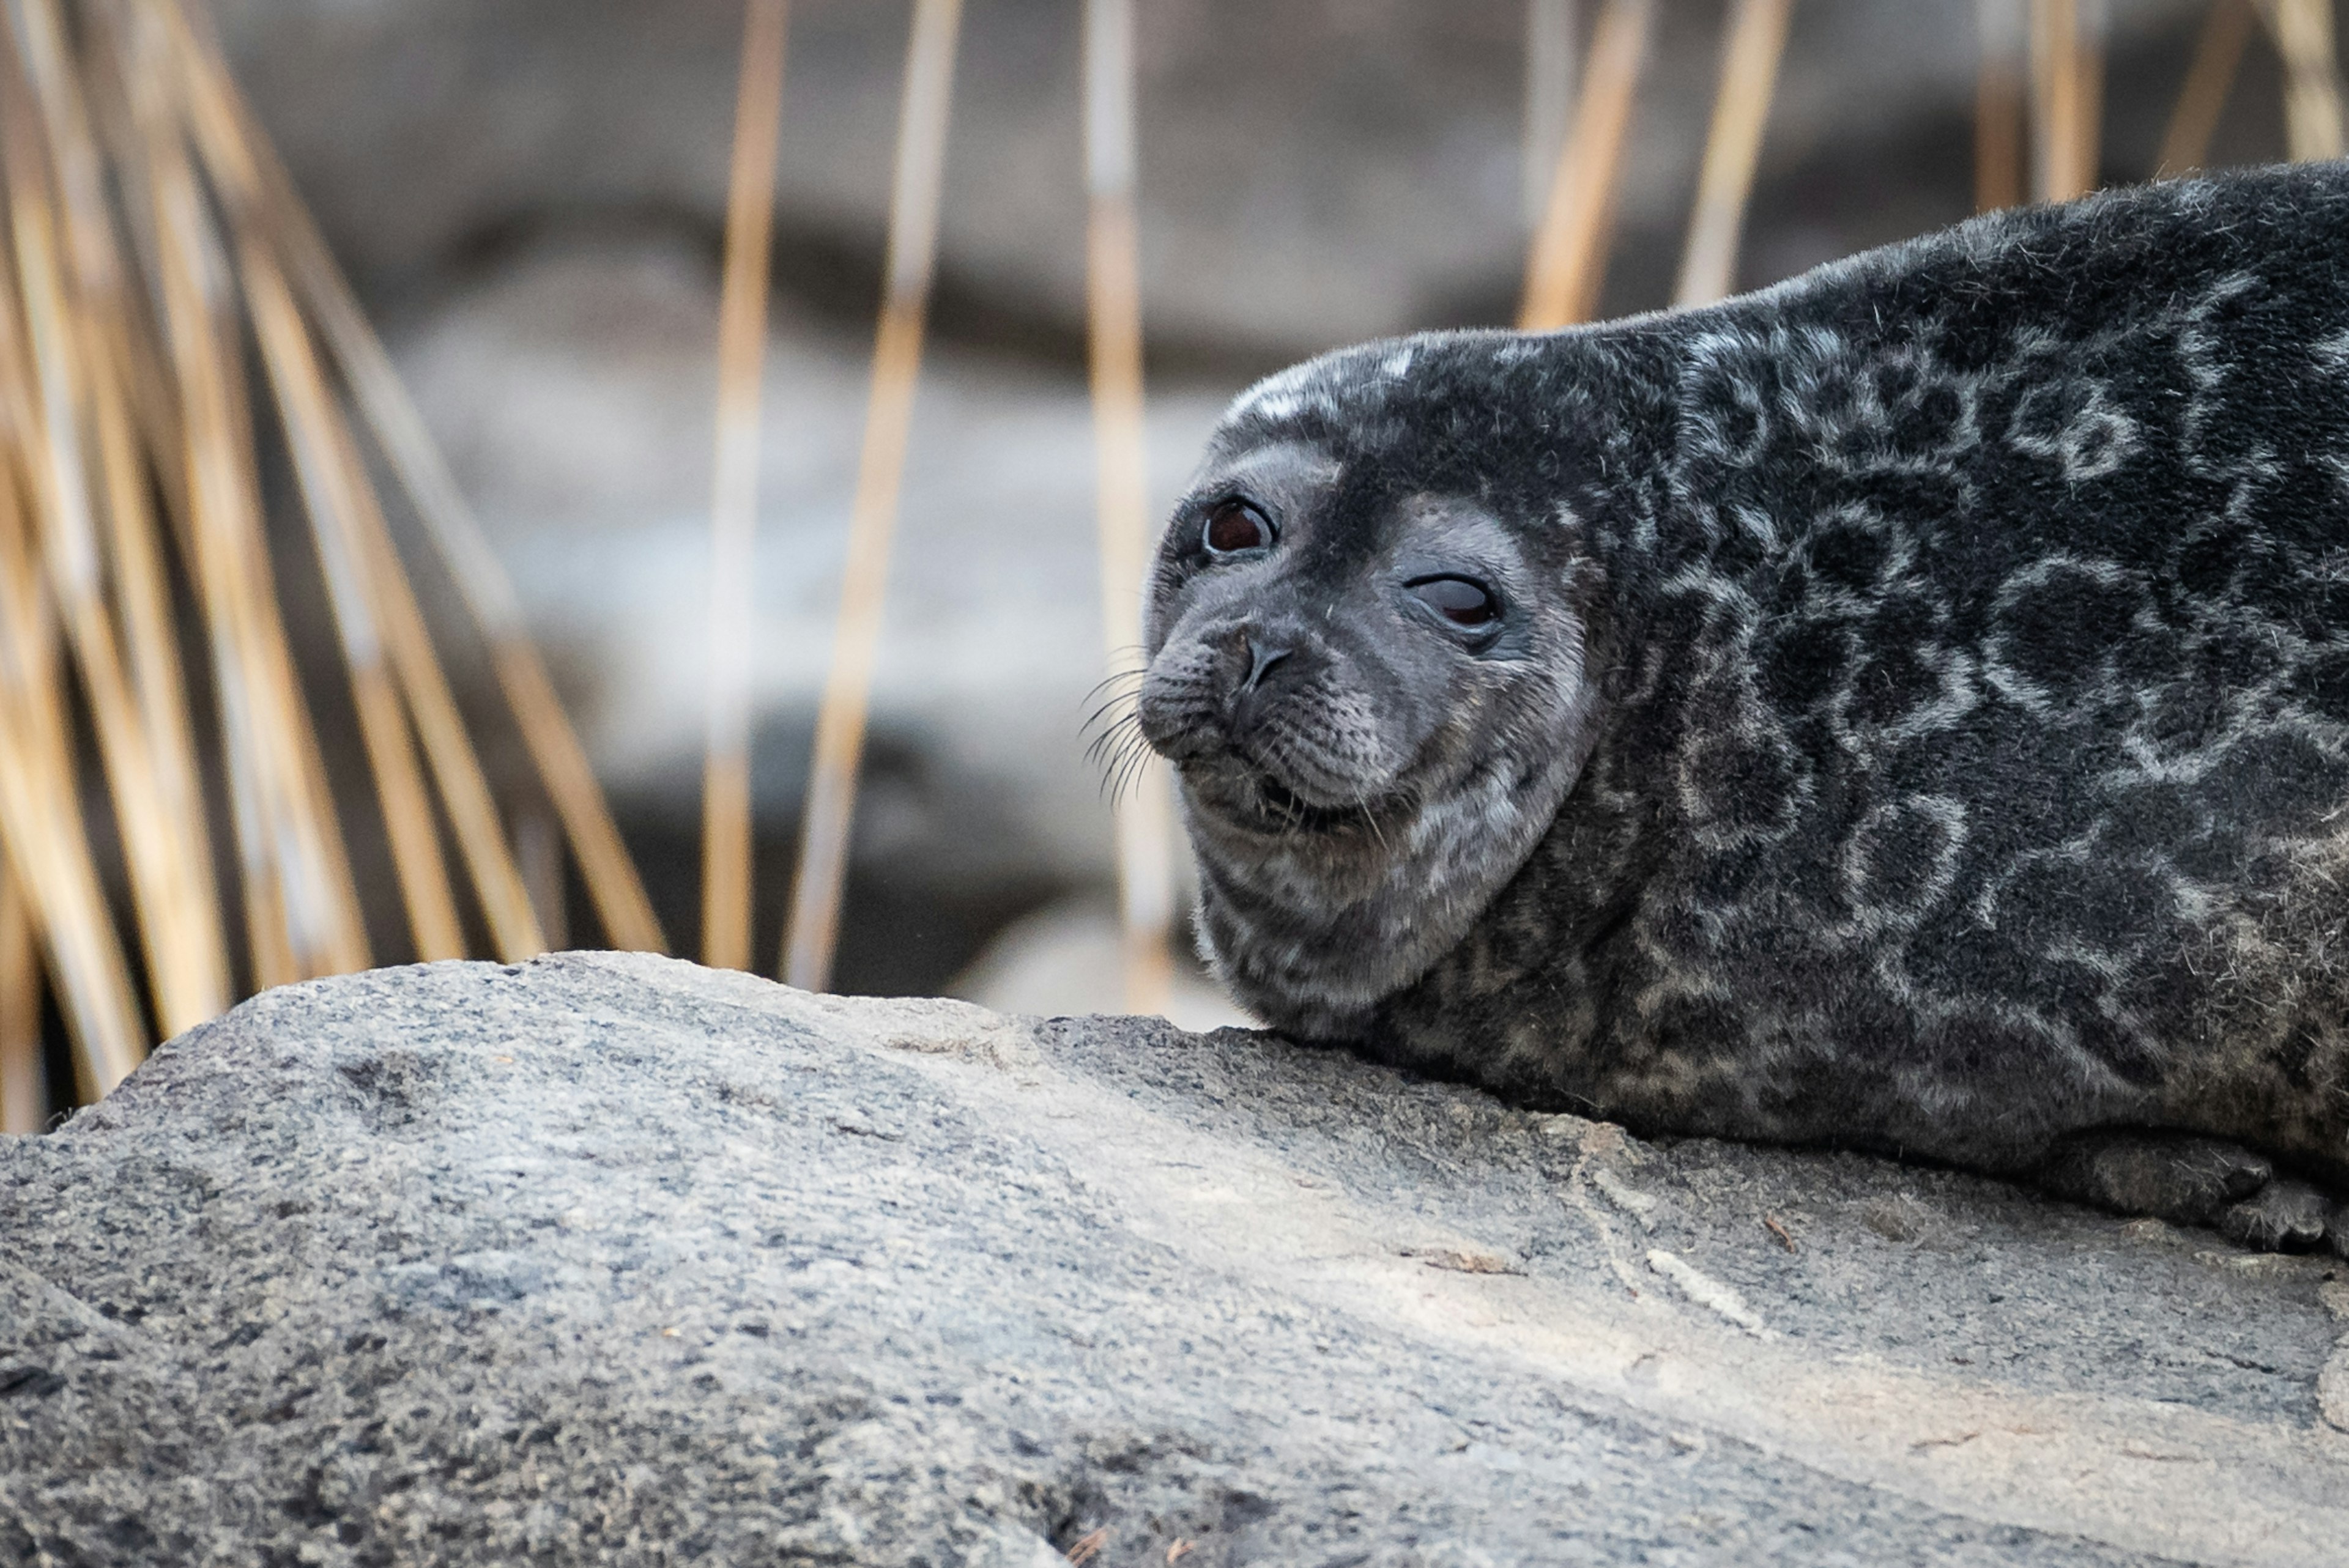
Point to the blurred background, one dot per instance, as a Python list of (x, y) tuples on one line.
[(531, 201)]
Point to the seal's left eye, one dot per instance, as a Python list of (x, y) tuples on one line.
[(1458, 601), (1234, 526)]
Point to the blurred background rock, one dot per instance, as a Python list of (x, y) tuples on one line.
[(532, 196)]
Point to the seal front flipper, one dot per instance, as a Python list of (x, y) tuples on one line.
[(2284, 1216), (2193, 1181), (2179, 1176), (2189, 1180)]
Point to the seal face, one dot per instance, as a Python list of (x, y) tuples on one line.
[(1908, 707), (1375, 693)]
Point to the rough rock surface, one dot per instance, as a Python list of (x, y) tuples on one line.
[(611, 1259)]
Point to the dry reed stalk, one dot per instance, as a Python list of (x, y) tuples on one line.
[(1569, 258), (332, 937), (375, 607), (379, 586), (2091, 66), (1999, 104), (2067, 97), (186, 958), (1551, 29), (2311, 93), (306, 408), (300, 909), (538, 855), (613, 884), (134, 339), (1741, 108), (41, 830), (2218, 58), (41, 827), (381, 593), (255, 792), (224, 129), (456, 769), (1145, 812), (814, 923), (24, 1087), (734, 509), (143, 592), (144, 151), (41, 808)]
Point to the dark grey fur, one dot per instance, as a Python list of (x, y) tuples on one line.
[(1919, 717)]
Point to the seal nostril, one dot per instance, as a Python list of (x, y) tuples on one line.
[(1261, 658)]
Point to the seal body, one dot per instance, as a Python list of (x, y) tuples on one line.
[(1926, 722)]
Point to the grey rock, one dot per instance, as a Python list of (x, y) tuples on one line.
[(609, 1258)]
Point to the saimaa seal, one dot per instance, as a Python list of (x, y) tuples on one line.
[(1906, 709)]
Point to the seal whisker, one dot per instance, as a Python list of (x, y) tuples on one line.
[(1116, 752), (1115, 706), (1111, 735), (1111, 678), (1137, 757)]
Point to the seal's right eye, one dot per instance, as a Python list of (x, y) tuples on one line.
[(1458, 601), (1234, 526)]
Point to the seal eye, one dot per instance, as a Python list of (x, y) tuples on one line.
[(1234, 526), (1458, 601)]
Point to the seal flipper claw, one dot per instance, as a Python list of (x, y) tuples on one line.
[(2284, 1216), (2185, 1180)]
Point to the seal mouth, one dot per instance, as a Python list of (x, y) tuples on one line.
[(1291, 811), (1253, 800)]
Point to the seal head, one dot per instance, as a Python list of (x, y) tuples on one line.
[(1374, 687)]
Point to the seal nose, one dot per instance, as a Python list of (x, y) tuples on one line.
[(1262, 656)]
